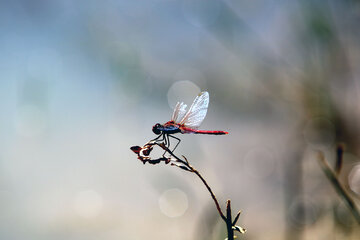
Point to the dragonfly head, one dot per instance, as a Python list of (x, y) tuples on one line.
[(156, 128)]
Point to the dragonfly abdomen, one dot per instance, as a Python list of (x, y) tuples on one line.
[(195, 131), (210, 132)]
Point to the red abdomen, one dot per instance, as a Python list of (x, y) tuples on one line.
[(195, 131)]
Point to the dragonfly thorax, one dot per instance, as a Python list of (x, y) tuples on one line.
[(168, 128)]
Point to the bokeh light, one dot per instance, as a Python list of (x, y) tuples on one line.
[(88, 204), (354, 179), (173, 202), (303, 211), (182, 91)]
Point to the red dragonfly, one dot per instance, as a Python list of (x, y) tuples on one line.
[(183, 121)]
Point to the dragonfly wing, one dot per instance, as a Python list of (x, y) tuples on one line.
[(179, 112), (197, 112)]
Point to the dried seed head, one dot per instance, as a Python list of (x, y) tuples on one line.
[(146, 151), (136, 149)]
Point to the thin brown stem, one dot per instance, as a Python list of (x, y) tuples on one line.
[(211, 193), (143, 154), (330, 174), (192, 169)]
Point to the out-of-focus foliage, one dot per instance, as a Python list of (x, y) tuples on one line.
[(82, 81)]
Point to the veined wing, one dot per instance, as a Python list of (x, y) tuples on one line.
[(179, 112), (197, 112)]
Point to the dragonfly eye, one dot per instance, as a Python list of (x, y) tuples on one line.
[(156, 129)]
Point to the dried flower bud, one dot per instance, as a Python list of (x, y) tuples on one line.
[(136, 149), (146, 151)]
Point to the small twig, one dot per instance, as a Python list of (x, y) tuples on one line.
[(330, 174), (181, 167), (236, 218), (185, 159)]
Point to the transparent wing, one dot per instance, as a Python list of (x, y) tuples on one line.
[(197, 112), (179, 112)]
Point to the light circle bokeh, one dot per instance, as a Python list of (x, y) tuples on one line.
[(182, 91), (354, 179), (303, 211), (173, 203)]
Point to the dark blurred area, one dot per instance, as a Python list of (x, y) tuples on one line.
[(81, 82)]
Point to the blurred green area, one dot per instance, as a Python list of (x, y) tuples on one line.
[(83, 81)]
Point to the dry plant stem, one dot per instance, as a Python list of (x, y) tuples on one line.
[(211, 193), (338, 187), (143, 155), (186, 163), (229, 223), (228, 219)]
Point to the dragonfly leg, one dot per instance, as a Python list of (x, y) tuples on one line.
[(178, 139), (166, 142), (157, 138), (164, 139)]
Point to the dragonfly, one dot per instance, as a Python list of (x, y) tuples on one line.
[(185, 122)]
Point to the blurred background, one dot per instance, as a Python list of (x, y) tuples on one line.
[(81, 82)]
